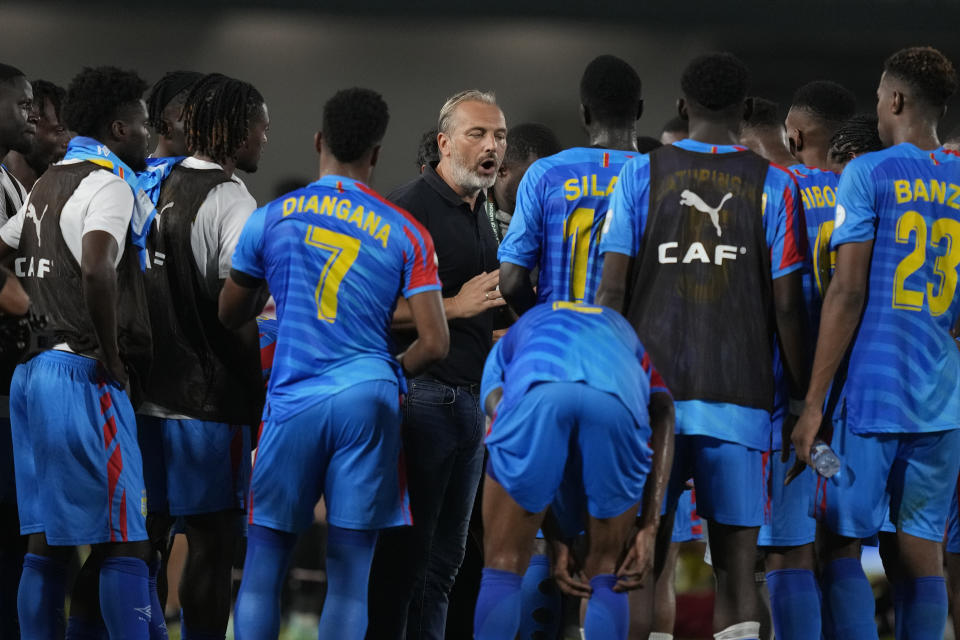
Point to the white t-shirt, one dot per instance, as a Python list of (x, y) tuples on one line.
[(217, 227), (101, 202)]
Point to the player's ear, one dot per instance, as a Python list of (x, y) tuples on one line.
[(640, 109), (896, 104), (584, 115), (318, 141), (796, 140), (374, 156), (682, 109)]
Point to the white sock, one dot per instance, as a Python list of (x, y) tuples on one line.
[(740, 631), (657, 635)]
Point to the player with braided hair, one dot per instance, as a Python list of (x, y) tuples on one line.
[(165, 110), (205, 390), (855, 137)]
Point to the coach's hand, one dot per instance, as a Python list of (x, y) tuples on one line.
[(568, 575), (804, 433), (478, 294), (638, 561)]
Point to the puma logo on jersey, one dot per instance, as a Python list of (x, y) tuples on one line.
[(160, 213), (31, 214), (690, 199)]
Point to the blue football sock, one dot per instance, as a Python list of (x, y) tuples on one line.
[(497, 614), (158, 624), (540, 601), (125, 598), (11, 565), (349, 555), (256, 614), (83, 629), (40, 598), (794, 604), (899, 597), (608, 613), (850, 598), (924, 609)]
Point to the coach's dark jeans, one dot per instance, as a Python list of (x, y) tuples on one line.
[(414, 567)]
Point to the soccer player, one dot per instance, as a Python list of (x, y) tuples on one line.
[(703, 250), (856, 136), (18, 130), (78, 468), (428, 153), (50, 142), (562, 200), (763, 132), (335, 256), (572, 382), (205, 388), (818, 109), (891, 305), (528, 142), (165, 107)]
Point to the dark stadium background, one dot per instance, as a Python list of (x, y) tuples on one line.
[(298, 52)]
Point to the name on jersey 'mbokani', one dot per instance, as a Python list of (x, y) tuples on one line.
[(584, 186), (938, 191), (342, 209)]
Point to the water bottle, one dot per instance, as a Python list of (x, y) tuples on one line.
[(825, 461)]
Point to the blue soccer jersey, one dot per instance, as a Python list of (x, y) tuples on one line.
[(561, 205), (565, 342), (785, 232), (904, 371), (336, 256)]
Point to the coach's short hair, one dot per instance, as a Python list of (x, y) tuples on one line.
[(530, 138), (715, 81), (826, 101), (96, 95), (354, 122), (611, 90), (927, 71), (454, 101)]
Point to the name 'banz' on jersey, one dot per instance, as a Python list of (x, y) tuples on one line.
[(562, 203)]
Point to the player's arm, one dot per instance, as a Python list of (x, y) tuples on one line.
[(433, 336), (516, 287), (839, 319), (240, 299), (98, 257), (613, 281)]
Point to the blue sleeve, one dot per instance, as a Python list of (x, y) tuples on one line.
[(627, 216), (493, 370), (856, 216), (521, 245), (248, 255), (783, 221)]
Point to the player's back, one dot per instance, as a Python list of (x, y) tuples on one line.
[(562, 202), (818, 190), (335, 258), (904, 373), (566, 342)]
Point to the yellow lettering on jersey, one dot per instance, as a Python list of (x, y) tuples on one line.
[(830, 196), (572, 189), (593, 186), (902, 189), (343, 209), (383, 235), (289, 206), (311, 204), (328, 205), (613, 183), (357, 217), (954, 194), (807, 204), (920, 190), (818, 197), (938, 191), (371, 223)]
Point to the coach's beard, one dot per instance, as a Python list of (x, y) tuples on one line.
[(469, 178)]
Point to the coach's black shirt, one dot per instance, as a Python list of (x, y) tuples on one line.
[(465, 247)]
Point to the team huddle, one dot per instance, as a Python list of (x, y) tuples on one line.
[(756, 317)]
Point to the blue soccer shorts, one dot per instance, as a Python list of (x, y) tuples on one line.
[(566, 440), (686, 522), (346, 448), (911, 474), (787, 510), (194, 466), (728, 478), (78, 468)]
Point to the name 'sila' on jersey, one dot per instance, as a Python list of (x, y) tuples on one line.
[(904, 373), (336, 256), (562, 202), (568, 342)]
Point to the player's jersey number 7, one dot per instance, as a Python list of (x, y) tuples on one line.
[(342, 250)]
